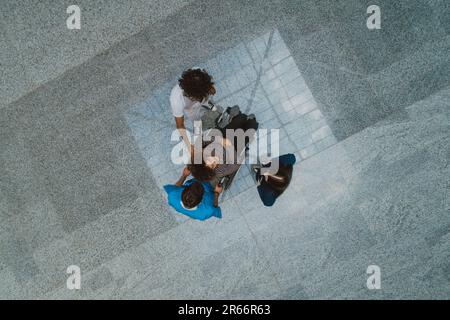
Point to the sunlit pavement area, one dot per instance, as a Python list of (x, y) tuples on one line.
[(85, 150)]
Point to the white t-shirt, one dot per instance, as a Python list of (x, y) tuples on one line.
[(183, 106)]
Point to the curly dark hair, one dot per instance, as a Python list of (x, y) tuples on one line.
[(197, 84), (192, 195), (202, 172)]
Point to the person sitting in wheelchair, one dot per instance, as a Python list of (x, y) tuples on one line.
[(221, 156)]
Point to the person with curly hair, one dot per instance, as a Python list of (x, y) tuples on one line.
[(193, 90)]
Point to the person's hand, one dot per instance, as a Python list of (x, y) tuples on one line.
[(218, 188), (258, 181), (226, 143), (186, 172)]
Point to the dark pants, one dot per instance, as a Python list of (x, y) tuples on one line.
[(241, 122)]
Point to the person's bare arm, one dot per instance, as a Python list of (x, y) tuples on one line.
[(217, 191), (179, 122), (184, 175)]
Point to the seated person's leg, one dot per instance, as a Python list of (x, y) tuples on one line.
[(242, 121), (251, 124), (238, 122)]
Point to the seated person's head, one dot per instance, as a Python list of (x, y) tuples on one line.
[(192, 195), (197, 84), (202, 172)]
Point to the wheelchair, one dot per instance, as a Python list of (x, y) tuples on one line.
[(217, 117)]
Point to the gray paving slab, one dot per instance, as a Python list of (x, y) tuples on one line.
[(85, 150)]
